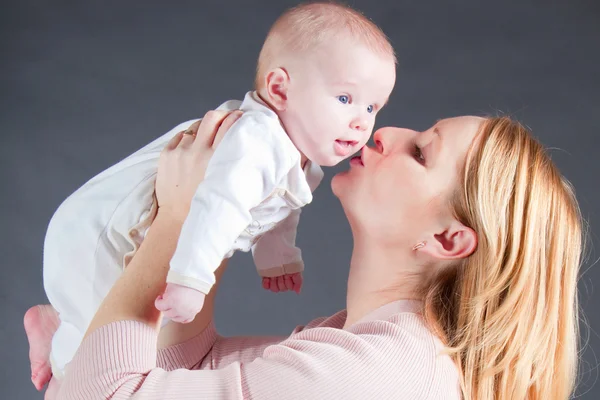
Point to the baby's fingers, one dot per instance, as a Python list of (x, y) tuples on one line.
[(297, 280), (289, 284)]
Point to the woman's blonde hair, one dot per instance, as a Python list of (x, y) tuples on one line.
[(508, 313)]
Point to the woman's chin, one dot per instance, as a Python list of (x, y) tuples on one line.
[(343, 187), (339, 183)]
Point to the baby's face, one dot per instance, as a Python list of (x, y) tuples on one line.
[(333, 100)]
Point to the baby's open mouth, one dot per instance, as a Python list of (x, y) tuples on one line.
[(343, 148), (347, 143)]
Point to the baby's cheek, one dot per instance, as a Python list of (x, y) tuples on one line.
[(366, 138)]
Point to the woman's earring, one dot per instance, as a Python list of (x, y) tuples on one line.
[(419, 245)]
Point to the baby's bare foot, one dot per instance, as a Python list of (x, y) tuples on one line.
[(40, 324)]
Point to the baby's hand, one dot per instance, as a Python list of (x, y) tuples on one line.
[(180, 303), (284, 283)]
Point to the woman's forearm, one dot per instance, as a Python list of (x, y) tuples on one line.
[(132, 297), (172, 334)]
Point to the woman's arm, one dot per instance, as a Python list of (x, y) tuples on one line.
[(180, 345), (374, 360), (132, 297), (180, 171), (175, 334), (144, 278)]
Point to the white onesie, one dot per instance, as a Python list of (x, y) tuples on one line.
[(250, 199)]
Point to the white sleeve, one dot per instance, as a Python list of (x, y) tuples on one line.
[(275, 253), (244, 170)]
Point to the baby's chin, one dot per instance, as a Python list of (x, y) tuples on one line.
[(329, 160)]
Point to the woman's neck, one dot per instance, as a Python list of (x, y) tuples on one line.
[(379, 275)]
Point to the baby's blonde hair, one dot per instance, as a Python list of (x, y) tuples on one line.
[(305, 27), (509, 313)]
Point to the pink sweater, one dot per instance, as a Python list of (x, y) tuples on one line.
[(389, 354)]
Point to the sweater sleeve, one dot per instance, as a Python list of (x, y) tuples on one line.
[(374, 360), (208, 350)]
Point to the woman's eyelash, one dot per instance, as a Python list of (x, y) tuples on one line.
[(418, 154)]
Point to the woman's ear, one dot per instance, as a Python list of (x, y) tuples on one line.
[(277, 85), (455, 242)]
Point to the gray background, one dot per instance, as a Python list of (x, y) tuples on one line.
[(83, 84)]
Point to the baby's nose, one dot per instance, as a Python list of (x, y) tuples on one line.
[(360, 124)]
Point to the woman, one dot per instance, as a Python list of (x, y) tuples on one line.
[(467, 243)]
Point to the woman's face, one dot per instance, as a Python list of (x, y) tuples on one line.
[(400, 188)]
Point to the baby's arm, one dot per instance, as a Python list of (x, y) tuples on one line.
[(243, 171), (277, 258)]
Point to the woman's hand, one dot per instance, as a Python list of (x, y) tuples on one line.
[(180, 169), (184, 160)]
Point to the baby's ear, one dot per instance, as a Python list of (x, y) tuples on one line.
[(277, 84)]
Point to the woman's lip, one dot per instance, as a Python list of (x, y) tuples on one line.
[(344, 147), (357, 160)]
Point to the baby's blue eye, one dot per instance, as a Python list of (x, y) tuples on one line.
[(343, 99), (370, 109)]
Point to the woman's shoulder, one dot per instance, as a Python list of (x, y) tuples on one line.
[(424, 352), (333, 321), (414, 353), (399, 346)]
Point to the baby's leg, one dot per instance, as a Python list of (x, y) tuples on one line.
[(84, 248), (283, 283), (71, 275), (40, 324)]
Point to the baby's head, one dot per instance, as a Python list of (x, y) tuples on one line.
[(326, 70)]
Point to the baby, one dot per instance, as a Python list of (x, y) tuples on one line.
[(323, 74)]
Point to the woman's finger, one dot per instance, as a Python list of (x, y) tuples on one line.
[(187, 140), (208, 127), (174, 141), (227, 123), (194, 127)]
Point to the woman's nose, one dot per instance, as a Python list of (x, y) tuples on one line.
[(385, 137), (378, 138)]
